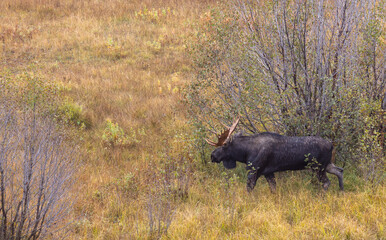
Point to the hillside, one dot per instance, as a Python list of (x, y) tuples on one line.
[(121, 69)]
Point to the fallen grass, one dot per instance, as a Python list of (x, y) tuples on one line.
[(126, 63)]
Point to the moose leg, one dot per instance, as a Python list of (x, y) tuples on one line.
[(252, 178), (271, 181), (324, 179), (255, 168), (337, 171)]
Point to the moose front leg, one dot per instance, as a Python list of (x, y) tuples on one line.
[(252, 178), (255, 165), (253, 175)]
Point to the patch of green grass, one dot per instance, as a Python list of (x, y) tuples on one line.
[(71, 113)]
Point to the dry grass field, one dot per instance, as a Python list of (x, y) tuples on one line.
[(121, 67)]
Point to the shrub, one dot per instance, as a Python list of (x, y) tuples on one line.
[(36, 175), (114, 135), (154, 15), (169, 185), (297, 68), (71, 113)]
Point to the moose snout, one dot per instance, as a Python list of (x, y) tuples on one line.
[(214, 158)]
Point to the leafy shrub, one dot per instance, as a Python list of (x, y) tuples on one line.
[(71, 113), (262, 61), (30, 91), (113, 50), (154, 15), (114, 135), (371, 156), (127, 185)]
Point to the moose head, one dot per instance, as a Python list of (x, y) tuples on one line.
[(221, 153)]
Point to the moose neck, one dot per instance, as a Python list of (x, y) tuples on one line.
[(239, 150)]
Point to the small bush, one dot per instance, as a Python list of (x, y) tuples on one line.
[(71, 113), (169, 185), (113, 50), (154, 15), (127, 185), (371, 156), (115, 136)]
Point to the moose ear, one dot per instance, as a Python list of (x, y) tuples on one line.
[(238, 134), (229, 164)]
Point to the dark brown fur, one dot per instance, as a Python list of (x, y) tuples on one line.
[(267, 153)]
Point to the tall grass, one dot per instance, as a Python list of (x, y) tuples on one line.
[(126, 62)]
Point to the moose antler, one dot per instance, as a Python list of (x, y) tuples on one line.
[(224, 137)]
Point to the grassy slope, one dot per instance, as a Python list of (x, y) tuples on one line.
[(131, 68)]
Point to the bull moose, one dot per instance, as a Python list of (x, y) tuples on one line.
[(267, 153)]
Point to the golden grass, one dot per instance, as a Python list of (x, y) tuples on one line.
[(126, 61), (292, 213)]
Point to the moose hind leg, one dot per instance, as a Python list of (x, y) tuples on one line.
[(331, 168), (271, 181)]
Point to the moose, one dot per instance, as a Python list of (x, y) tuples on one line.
[(267, 153)]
